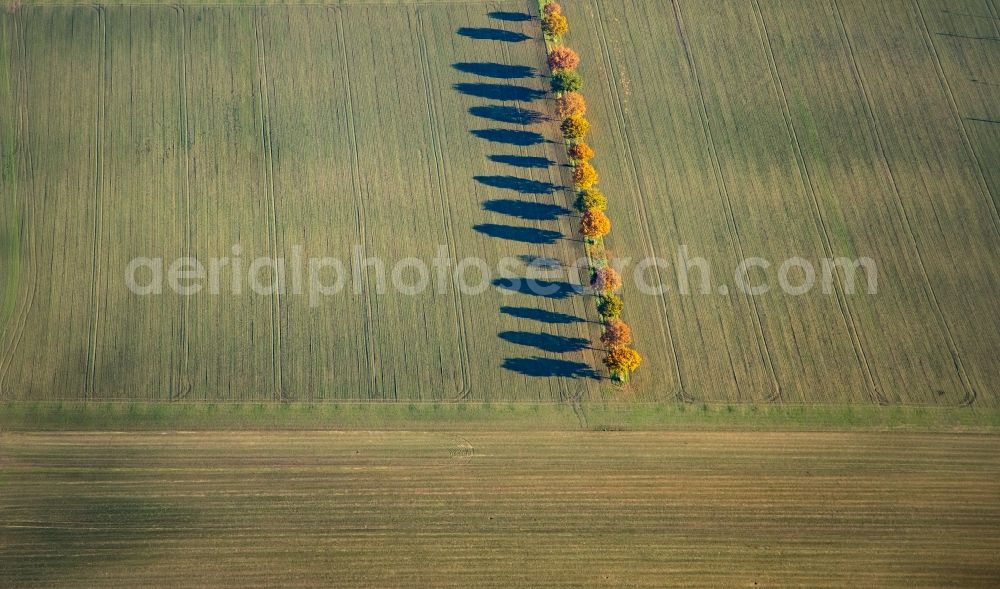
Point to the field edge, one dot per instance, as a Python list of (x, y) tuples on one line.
[(41, 416)]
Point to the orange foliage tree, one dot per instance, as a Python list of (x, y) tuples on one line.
[(607, 280), (594, 224), (617, 334), (580, 151), (571, 104), (563, 58), (584, 175), (552, 7)]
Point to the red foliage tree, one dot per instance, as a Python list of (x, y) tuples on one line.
[(563, 58), (607, 280), (571, 104), (617, 334)]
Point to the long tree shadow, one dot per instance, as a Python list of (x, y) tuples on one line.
[(522, 161), (549, 368), (546, 342), (542, 262), (510, 136), (491, 34), (529, 211), (521, 234), (539, 288), (502, 92), (541, 315), (522, 185), (495, 70), (507, 114), (510, 16)]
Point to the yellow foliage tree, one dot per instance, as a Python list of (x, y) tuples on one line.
[(555, 24), (622, 361), (584, 175), (574, 127)]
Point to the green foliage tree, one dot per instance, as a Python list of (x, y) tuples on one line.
[(566, 81), (610, 306)]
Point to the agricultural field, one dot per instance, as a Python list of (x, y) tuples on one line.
[(412, 509), (838, 128), (399, 130)]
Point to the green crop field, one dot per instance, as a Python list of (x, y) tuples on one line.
[(400, 129), (814, 129), (493, 509)]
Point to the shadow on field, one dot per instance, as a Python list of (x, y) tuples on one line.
[(541, 315), (491, 34), (510, 137), (503, 92), (80, 515), (496, 70), (529, 211), (540, 288), (541, 262), (507, 114), (510, 16), (522, 185), (522, 161), (549, 368), (521, 234), (556, 344), (515, 120)]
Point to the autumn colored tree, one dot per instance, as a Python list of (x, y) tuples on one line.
[(580, 151), (595, 224), (552, 8), (607, 280), (622, 361), (591, 199), (563, 58), (566, 81), (617, 334), (584, 175), (574, 127), (555, 24), (610, 306), (570, 104)]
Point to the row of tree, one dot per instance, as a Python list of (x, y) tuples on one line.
[(571, 107)]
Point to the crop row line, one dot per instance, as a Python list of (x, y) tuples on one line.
[(440, 173), (821, 226), (20, 318), (751, 302), (884, 158)]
